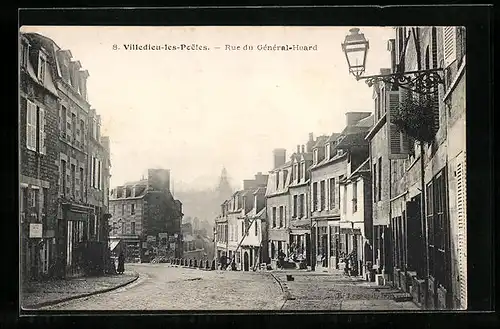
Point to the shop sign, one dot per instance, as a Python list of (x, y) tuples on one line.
[(36, 230)]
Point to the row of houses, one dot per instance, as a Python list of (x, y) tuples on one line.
[(64, 165), (358, 193)]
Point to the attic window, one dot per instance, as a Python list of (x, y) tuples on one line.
[(42, 62), (315, 156), (327, 151), (24, 53)]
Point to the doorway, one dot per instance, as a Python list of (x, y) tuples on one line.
[(245, 261)]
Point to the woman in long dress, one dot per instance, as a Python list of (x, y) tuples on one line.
[(121, 263)]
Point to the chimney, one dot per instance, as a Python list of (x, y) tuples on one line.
[(303, 149), (159, 179), (353, 118), (310, 143), (261, 180), (279, 157), (298, 149)]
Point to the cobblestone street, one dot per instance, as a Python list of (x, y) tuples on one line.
[(161, 287), (335, 291)]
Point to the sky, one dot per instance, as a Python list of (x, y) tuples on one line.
[(197, 111)]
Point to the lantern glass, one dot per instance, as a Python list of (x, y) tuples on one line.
[(355, 48)]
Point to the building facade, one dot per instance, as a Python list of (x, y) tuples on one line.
[(146, 219), (55, 125), (300, 219), (334, 157), (356, 218), (38, 159), (278, 207), (421, 247)]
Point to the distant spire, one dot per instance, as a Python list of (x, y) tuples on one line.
[(224, 188)]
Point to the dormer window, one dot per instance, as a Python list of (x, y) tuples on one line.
[(24, 53), (277, 180), (315, 156), (296, 172), (42, 63), (303, 165), (327, 151)]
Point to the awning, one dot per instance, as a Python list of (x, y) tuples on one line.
[(113, 244)]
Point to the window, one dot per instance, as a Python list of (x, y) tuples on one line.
[(92, 178), (322, 195), (274, 216), (256, 228), (379, 179), (281, 216), (73, 180), (332, 193), (295, 201), (344, 201), (82, 132), (124, 228), (354, 196), (375, 186), (132, 228), (73, 124), (62, 121), (24, 54), (82, 183), (327, 151), (63, 176), (296, 172), (449, 44), (315, 196), (315, 156), (94, 130), (302, 204), (132, 209), (277, 180), (45, 203), (99, 173), (31, 126), (42, 62), (123, 209)]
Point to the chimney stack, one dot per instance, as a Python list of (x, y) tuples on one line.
[(279, 157), (303, 149), (298, 149), (311, 137)]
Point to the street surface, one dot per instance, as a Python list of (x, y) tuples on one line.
[(161, 287)]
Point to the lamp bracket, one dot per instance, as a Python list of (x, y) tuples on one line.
[(422, 82)]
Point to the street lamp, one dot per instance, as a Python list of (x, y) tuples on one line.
[(355, 47)]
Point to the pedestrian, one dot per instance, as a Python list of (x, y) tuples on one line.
[(121, 263), (281, 258)]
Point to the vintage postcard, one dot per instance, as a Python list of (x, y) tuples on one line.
[(240, 168)]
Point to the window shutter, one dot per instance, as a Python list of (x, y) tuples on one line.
[(31, 126), (42, 135), (398, 141), (449, 44), (462, 227)]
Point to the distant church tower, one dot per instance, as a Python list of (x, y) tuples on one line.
[(223, 190)]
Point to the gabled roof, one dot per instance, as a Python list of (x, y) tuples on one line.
[(350, 140)]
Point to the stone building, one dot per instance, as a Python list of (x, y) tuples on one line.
[(38, 157), (300, 219), (145, 218), (278, 206), (222, 232), (333, 159), (434, 274), (64, 111)]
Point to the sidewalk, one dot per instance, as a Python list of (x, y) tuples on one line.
[(40, 294), (336, 291)]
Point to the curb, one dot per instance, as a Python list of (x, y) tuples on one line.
[(66, 299), (284, 289)]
